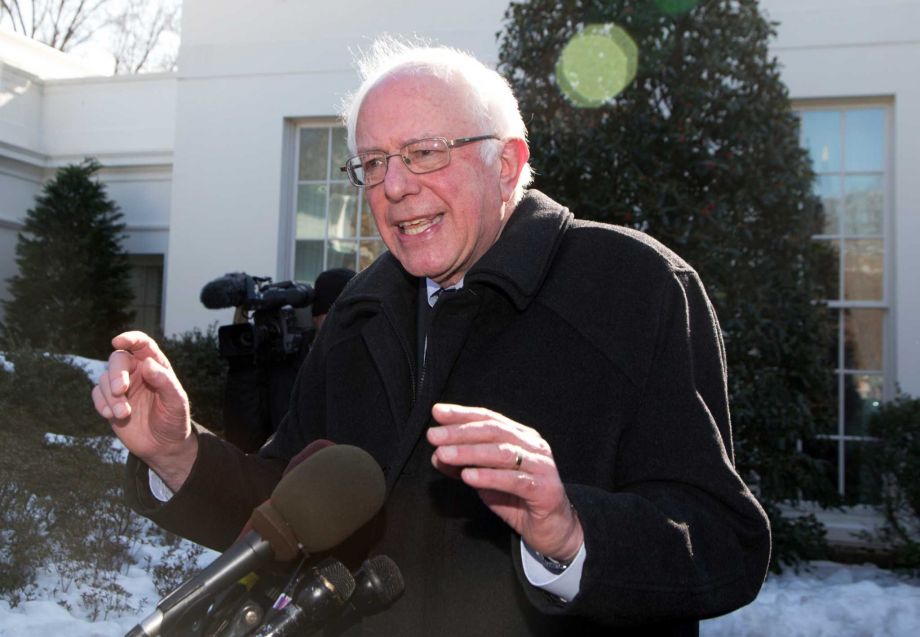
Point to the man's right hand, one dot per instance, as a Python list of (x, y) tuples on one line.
[(147, 407)]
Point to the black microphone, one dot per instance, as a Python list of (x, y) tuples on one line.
[(378, 583), (374, 587), (323, 595), (316, 506), (230, 290), (285, 293)]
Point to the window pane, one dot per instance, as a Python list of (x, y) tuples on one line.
[(341, 254), (860, 484), (826, 452), (308, 260), (311, 211), (821, 132), (343, 210), (865, 140), (833, 292), (369, 251), (861, 398), (829, 188), (833, 353), (368, 226), (863, 210), (340, 152), (864, 269), (864, 338), (314, 145)]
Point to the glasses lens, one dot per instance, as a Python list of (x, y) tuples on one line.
[(367, 169), (355, 173), (426, 155)]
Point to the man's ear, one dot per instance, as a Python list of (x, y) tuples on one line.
[(514, 156)]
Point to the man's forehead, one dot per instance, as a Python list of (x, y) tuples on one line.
[(405, 107)]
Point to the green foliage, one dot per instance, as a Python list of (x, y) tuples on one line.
[(701, 151), (196, 359), (61, 508), (895, 458), (73, 283), (795, 539), (48, 391), (179, 563)]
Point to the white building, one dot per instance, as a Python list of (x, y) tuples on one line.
[(231, 163)]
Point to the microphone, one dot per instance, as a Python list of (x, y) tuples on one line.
[(321, 597), (230, 290), (318, 504), (378, 583), (285, 293), (238, 289)]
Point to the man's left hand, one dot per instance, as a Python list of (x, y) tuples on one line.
[(512, 468)]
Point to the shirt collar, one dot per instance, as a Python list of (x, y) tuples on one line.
[(433, 289)]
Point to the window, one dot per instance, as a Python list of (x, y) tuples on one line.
[(147, 283), (333, 225), (848, 146)]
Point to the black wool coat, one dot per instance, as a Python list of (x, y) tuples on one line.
[(601, 339)]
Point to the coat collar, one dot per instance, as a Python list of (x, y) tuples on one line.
[(517, 264)]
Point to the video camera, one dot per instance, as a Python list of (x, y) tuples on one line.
[(271, 332)]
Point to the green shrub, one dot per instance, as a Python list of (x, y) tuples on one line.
[(196, 359), (61, 507), (796, 539), (47, 393), (73, 284), (895, 459), (701, 151)]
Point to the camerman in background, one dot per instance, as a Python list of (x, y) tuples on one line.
[(257, 392)]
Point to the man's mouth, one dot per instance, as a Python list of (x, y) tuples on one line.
[(419, 226)]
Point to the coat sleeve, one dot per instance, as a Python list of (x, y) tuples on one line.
[(225, 484), (679, 535)]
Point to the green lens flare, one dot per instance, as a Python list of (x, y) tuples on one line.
[(597, 64), (675, 7)]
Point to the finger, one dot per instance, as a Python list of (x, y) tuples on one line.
[(501, 456), (101, 404), (449, 470), (109, 396), (140, 345), (450, 414), (487, 431), (164, 382), (121, 365), (528, 487)]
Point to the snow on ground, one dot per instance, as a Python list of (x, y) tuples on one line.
[(827, 600), (833, 600)]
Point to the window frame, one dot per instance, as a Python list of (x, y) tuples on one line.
[(841, 305), (291, 182)]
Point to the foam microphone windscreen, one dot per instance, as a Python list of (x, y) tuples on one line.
[(330, 496), (306, 452)]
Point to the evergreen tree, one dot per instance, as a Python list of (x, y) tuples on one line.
[(73, 287), (700, 150)]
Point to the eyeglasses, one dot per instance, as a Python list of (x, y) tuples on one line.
[(421, 156)]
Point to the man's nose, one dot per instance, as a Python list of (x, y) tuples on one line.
[(398, 181)]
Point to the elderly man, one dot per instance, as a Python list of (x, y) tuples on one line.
[(547, 397)]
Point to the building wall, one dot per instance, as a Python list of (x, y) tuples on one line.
[(201, 162), (243, 79), (837, 49), (53, 119)]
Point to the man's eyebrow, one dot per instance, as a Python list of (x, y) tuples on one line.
[(412, 140)]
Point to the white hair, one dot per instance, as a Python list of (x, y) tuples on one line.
[(490, 100)]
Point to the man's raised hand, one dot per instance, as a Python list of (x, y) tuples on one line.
[(147, 407)]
